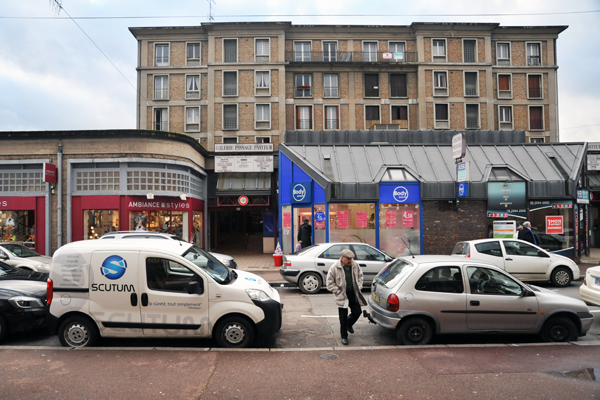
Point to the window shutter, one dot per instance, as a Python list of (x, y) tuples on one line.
[(504, 82)]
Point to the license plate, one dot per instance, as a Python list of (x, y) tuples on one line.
[(375, 297)]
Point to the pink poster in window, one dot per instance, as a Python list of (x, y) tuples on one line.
[(407, 219), (361, 219), (287, 220), (390, 218), (342, 219)]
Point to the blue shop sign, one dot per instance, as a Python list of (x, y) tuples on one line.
[(403, 192), (463, 189), (319, 216), (301, 192)]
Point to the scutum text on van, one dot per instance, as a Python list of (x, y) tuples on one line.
[(113, 287)]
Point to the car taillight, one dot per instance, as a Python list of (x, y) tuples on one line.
[(49, 291), (585, 281), (469, 255), (393, 304), (287, 263)]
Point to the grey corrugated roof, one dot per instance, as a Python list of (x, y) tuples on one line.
[(353, 171)]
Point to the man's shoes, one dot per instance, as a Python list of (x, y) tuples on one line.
[(350, 329), (345, 341)]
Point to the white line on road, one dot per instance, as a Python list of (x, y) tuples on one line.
[(319, 316)]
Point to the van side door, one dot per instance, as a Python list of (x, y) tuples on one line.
[(174, 299)]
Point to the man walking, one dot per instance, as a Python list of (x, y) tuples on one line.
[(305, 234), (527, 234), (345, 280)]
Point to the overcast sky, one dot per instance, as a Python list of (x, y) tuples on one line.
[(52, 77)]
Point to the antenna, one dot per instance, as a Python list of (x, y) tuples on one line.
[(408, 247), (56, 6), (210, 3)]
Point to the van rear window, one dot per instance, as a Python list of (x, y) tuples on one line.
[(393, 273), (461, 248)]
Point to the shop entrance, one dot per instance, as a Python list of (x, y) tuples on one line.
[(236, 231)]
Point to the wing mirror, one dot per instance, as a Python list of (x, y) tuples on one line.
[(527, 293), (3, 257), (195, 287)]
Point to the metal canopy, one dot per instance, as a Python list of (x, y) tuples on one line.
[(254, 183)]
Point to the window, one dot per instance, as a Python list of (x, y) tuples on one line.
[(370, 51), (440, 83), (438, 50), (161, 87), (371, 116), (505, 119), (489, 281), (262, 139), (304, 117), (161, 119), (193, 54), (263, 116), (192, 122), (534, 86), (471, 84), (398, 85), (469, 51), (329, 51), (169, 276), (536, 140), (262, 50), (504, 86), (441, 116), (441, 279), (229, 50), (367, 253), (400, 116), (303, 85), (397, 48), (534, 54), (230, 140), (263, 83), (330, 83), (332, 117), (335, 251), (489, 248), (229, 83), (162, 54), (371, 85), (302, 51), (230, 118), (536, 118), (503, 53), (472, 116), (192, 87)]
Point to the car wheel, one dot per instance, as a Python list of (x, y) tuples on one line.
[(3, 330), (559, 329), (561, 277), (234, 332), (78, 331), (310, 283), (414, 331)]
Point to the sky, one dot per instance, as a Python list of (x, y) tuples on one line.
[(53, 77)]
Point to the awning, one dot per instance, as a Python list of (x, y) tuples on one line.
[(594, 180), (239, 183)]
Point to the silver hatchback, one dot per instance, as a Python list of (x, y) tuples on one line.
[(425, 295)]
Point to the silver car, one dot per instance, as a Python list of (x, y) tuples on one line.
[(23, 257), (308, 268), (425, 295)]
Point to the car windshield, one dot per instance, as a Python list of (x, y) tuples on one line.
[(209, 264), (393, 273), (18, 250)]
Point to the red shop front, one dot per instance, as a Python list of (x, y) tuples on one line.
[(23, 220), (93, 216)]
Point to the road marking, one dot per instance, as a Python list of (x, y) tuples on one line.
[(319, 316)]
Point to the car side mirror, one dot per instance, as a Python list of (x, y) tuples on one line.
[(3, 257), (527, 293), (194, 287), (389, 259)]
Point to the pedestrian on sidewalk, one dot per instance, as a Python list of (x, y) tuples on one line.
[(527, 234), (305, 234), (345, 280)]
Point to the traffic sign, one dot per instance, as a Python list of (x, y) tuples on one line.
[(243, 200)]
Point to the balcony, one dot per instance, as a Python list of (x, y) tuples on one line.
[(349, 57)]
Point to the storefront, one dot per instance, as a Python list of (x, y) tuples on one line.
[(19, 219)]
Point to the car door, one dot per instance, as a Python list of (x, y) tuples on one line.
[(525, 260), (490, 251), (495, 301), (330, 255), (167, 308), (370, 260)]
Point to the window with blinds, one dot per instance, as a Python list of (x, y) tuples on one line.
[(398, 85), (371, 85), (469, 51), (400, 116), (230, 119), (192, 120), (504, 86), (229, 50), (534, 86), (330, 83), (263, 83), (442, 120), (262, 50), (304, 117), (161, 87), (193, 54), (230, 83), (536, 118), (440, 83), (162, 54), (438, 50), (534, 54), (263, 116), (505, 120), (471, 86), (472, 116), (371, 116), (192, 87), (503, 53), (332, 117)]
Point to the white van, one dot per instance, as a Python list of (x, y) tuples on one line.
[(151, 288)]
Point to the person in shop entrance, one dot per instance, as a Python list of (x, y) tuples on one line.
[(527, 234), (305, 234), (344, 280)]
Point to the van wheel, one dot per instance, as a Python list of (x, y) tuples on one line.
[(310, 283), (559, 329), (3, 330), (414, 331), (561, 277), (78, 331), (234, 331)]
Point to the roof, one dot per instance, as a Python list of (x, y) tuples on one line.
[(352, 172)]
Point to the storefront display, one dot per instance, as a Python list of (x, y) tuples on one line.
[(552, 225), (98, 222), (349, 223)]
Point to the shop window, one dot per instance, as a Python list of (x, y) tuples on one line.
[(18, 226), (173, 222), (98, 222), (198, 231), (400, 229), (319, 215), (548, 240), (17, 181), (352, 223), (286, 234)]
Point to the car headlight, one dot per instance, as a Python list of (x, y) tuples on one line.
[(44, 267), (224, 262), (26, 302), (256, 294)]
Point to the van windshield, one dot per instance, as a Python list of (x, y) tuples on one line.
[(209, 264)]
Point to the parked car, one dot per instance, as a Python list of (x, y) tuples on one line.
[(590, 290), (522, 259), (226, 260), (308, 268), (23, 257), (425, 295), (22, 300)]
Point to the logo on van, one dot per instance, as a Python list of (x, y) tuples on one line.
[(400, 194), (113, 267)]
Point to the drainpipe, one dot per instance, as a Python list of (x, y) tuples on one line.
[(48, 218), (59, 153)]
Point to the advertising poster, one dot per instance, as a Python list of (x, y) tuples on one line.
[(554, 224), (342, 219), (361, 219), (407, 219), (505, 229), (390, 218), (506, 199), (287, 220), (320, 219)]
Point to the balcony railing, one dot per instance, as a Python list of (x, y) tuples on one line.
[(349, 56)]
